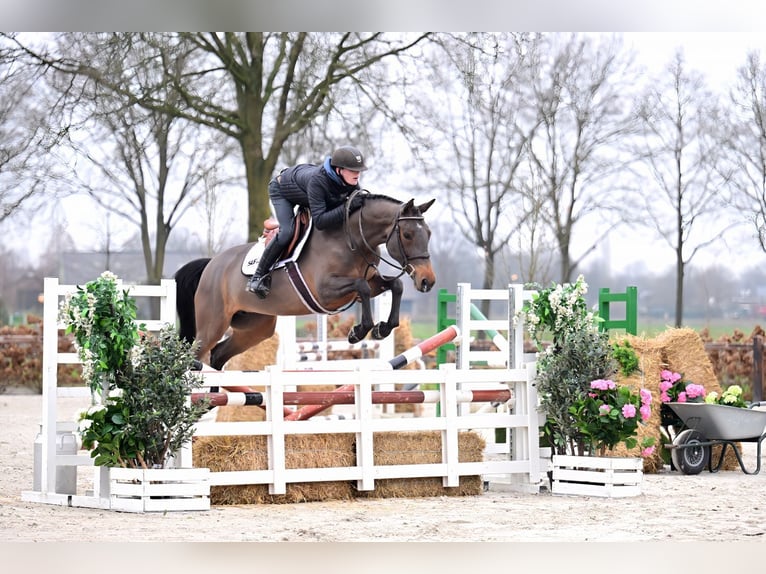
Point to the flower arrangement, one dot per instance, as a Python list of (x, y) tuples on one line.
[(673, 388), (610, 414), (140, 413), (731, 396), (586, 412), (558, 310)]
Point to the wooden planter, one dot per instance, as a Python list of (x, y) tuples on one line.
[(610, 477), (159, 489)]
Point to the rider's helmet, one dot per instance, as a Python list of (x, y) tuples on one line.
[(348, 157)]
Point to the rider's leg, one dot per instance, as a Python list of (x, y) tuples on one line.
[(260, 282)]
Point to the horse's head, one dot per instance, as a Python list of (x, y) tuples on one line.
[(408, 244)]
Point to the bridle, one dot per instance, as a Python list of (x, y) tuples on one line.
[(395, 232)]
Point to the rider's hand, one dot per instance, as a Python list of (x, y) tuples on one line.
[(356, 202)]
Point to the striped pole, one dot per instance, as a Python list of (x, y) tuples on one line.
[(425, 347), (338, 397), (404, 359), (499, 341)]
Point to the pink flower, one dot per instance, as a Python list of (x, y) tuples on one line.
[(664, 397), (681, 397), (646, 412), (693, 391), (603, 384), (628, 411), (604, 410), (646, 396), (665, 385), (670, 376), (648, 451)]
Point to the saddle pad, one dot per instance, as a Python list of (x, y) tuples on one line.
[(253, 256)]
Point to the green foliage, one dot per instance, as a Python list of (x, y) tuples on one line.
[(102, 319), (609, 414), (148, 417), (626, 356), (564, 376), (141, 412)]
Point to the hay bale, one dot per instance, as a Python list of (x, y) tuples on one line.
[(650, 363), (391, 448), (680, 350), (255, 358), (222, 453)]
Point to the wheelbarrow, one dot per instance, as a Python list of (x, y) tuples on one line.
[(705, 425)]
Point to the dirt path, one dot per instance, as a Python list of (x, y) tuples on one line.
[(724, 507)]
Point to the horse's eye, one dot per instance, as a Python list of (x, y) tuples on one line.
[(407, 235)]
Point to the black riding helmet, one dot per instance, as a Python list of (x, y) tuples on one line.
[(348, 157)]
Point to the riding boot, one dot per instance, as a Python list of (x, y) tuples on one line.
[(260, 282)]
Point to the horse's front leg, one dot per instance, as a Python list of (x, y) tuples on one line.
[(359, 332), (384, 328)]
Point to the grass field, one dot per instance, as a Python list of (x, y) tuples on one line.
[(647, 327)]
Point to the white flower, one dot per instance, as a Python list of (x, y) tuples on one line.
[(95, 408)]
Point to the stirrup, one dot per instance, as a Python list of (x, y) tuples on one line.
[(260, 285)]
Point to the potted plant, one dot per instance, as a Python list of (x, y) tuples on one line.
[(587, 414), (140, 413)]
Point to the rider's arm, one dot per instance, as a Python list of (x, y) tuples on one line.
[(324, 216)]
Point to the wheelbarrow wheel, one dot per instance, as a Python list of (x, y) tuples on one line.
[(689, 456)]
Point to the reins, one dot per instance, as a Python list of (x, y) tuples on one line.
[(403, 267)]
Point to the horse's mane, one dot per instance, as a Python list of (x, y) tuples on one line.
[(367, 195)]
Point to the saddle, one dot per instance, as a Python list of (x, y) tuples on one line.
[(270, 230)]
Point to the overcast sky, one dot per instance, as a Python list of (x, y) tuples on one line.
[(715, 54)]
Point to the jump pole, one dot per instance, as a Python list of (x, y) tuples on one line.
[(401, 360), (337, 397), (499, 341)]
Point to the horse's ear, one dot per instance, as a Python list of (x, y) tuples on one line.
[(424, 207)]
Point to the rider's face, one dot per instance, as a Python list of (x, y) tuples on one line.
[(350, 176)]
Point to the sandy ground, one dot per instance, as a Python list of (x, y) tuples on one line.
[(727, 506)]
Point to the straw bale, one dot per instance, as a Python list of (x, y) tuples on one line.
[(222, 453), (256, 358), (680, 350), (391, 448), (650, 363)]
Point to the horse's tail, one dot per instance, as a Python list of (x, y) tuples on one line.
[(187, 281)]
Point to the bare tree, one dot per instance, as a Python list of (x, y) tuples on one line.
[(25, 142), (259, 88), (746, 146), (581, 97), (681, 154), (143, 165), (475, 129)]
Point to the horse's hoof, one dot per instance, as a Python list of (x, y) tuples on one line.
[(352, 337), (380, 331)]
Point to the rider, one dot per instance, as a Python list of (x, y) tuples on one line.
[(322, 188)]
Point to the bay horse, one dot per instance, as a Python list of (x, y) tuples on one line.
[(336, 268)]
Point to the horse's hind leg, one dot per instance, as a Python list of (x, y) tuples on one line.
[(248, 330)]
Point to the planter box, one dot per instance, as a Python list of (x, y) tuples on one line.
[(610, 477), (159, 489)]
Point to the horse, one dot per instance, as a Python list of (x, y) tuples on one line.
[(335, 269)]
